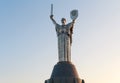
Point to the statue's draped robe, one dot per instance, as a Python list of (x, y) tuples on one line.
[(64, 34)]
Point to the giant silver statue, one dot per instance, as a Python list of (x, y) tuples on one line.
[(64, 34)]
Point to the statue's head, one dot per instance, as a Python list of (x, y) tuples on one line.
[(63, 21)]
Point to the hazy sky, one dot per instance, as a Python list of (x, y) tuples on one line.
[(28, 41)]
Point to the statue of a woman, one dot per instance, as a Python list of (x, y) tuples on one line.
[(64, 34)]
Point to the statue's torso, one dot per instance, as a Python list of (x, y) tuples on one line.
[(63, 29)]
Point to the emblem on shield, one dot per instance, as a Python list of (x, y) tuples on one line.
[(74, 14)]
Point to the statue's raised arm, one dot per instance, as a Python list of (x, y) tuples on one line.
[(53, 20)]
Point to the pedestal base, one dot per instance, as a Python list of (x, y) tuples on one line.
[(64, 80), (64, 72)]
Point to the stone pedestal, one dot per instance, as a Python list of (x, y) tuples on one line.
[(64, 72)]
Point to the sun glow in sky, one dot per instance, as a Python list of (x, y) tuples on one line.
[(28, 42)]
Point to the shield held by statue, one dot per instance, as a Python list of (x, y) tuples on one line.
[(74, 14)]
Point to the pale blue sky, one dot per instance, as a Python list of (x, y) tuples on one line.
[(28, 42)]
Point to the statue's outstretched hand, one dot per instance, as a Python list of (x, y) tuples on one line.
[(51, 16)]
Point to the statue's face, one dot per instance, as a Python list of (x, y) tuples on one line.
[(63, 20)]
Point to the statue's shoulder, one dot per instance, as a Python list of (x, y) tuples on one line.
[(69, 24), (58, 25)]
